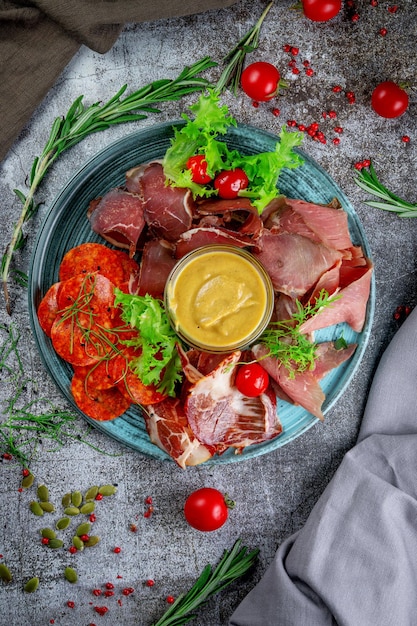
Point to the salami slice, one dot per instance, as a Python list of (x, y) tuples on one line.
[(89, 258), (48, 309), (96, 376), (89, 297), (71, 342), (133, 388), (99, 404)]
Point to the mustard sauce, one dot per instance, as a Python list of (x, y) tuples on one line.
[(218, 298)]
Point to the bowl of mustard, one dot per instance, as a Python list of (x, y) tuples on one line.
[(219, 298)]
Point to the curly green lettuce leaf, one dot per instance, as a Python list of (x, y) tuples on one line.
[(200, 136), (158, 363)]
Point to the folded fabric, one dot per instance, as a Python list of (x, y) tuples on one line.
[(353, 563), (39, 38)]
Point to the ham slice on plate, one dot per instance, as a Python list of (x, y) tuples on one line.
[(204, 236), (303, 388), (156, 263), (294, 263)]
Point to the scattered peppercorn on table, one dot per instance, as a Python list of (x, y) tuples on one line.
[(92, 530)]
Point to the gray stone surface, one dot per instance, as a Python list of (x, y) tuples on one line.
[(274, 492)]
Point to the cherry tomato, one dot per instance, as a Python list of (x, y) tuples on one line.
[(198, 166), (260, 81), (229, 182), (206, 509), (321, 10), (252, 380), (389, 100)]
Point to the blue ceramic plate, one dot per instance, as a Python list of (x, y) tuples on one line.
[(66, 226)]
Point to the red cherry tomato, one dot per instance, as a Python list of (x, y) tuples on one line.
[(252, 380), (206, 509), (389, 100), (229, 182), (198, 166), (260, 81), (321, 10)]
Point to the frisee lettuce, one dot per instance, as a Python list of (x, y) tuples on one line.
[(200, 136), (158, 363)]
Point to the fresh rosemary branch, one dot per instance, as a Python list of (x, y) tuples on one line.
[(285, 342), (27, 424), (81, 120), (233, 564), (235, 59), (368, 180)]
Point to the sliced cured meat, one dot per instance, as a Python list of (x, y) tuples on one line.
[(48, 309), (96, 376), (88, 299), (238, 214), (197, 237), (303, 388), (90, 258), (99, 404), (168, 210), (294, 263), (349, 308), (118, 217), (219, 415), (329, 224), (157, 262), (134, 390), (168, 429), (70, 341)]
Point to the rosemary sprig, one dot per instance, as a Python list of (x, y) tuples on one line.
[(233, 564), (286, 343), (235, 59), (27, 424), (81, 120), (368, 180)]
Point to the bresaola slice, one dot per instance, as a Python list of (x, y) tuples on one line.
[(119, 218)]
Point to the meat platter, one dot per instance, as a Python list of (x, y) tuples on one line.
[(65, 226)]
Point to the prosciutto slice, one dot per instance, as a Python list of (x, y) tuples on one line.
[(118, 217), (304, 388), (168, 210), (350, 308), (219, 415), (294, 263), (168, 429)]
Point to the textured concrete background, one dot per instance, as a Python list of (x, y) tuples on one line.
[(275, 492)]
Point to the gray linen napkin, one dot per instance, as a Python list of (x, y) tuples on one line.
[(354, 563)]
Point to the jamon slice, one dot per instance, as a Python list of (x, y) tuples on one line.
[(350, 308), (304, 389), (219, 415), (294, 263), (118, 217), (168, 429)]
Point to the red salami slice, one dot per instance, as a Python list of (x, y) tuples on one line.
[(99, 404), (88, 258), (48, 309)]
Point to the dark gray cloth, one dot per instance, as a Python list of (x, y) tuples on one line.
[(38, 39), (354, 563)]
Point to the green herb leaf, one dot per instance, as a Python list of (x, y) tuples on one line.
[(233, 564), (287, 344), (158, 363), (200, 136), (368, 180)]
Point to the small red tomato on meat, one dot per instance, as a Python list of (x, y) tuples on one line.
[(252, 380), (198, 166), (229, 182), (321, 10), (389, 100), (260, 81), (207, 509)]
